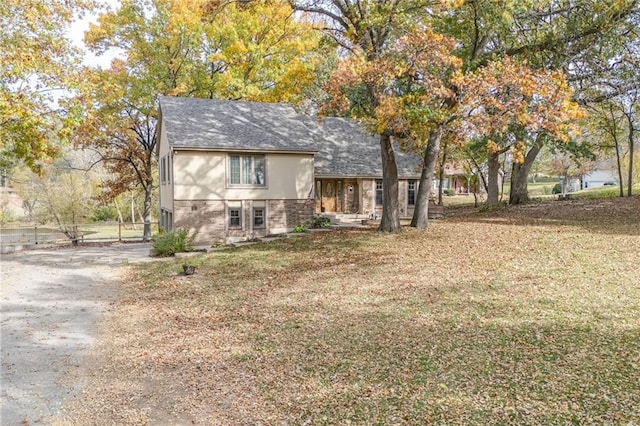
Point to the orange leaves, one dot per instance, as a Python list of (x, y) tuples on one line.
[(413, 74), (518, 151), (389, 115), (507, 94), (492, 147)]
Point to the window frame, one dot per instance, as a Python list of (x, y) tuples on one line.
[(263, 217), (379, 192), (411, 192), (163, 170), (243, 175), (231, 210)]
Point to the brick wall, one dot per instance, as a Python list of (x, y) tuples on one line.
[(205, 219), (351, 197), (368, 195), (208, 221), (286, 214)]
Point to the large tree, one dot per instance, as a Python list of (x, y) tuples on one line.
[(542, 36), (37, 78), (253, 51), (578, 37), (366, 83), (514, 108)]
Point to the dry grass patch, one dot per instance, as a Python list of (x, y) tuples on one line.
[(520, 316)]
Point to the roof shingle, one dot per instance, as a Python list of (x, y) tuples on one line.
[(342, 146)]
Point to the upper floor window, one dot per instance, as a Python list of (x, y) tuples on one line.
[(247, 170), (411, 192)]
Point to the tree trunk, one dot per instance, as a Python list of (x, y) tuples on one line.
[(441, 175), (148, 194), (619, 163), (115, 202), (481, 179), (493, 163), (133, 214), (390, 221), (421, 212), (519, 192), (631, 144)]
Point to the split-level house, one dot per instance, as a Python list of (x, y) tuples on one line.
[(232, 170)]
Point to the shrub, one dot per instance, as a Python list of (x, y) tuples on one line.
[(217, 244), (299, 229), (104, 213), (449, 192), (170, 243), (320, 222), (556, 189)]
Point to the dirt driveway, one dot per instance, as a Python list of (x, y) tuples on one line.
[(50, 304)]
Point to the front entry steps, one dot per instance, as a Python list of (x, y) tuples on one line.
[(342, 220)]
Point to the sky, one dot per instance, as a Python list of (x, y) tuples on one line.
[(76, 33)]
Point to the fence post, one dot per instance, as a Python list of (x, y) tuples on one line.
[(35, 233), (119, 231)]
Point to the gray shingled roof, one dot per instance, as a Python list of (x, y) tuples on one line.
[(215, 124), (343, 147), (346, 149)]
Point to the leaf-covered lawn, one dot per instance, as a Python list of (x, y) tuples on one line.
[(522, 316)]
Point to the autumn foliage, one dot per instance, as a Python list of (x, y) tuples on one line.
[(505, 101)]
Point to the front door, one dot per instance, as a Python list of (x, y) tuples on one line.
[(329, 195)]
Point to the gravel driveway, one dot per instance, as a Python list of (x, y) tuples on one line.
[(51, 302)]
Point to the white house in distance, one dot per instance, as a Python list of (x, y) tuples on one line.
[(599, 177), (232, 170)]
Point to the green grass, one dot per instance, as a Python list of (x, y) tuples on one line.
[(516, 316), (604, 192), (112, 231)]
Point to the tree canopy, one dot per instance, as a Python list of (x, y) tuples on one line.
[(38, 77), (257, 51)]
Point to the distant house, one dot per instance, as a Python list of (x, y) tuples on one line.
[(233, 170), (455, 178), (599, 177)]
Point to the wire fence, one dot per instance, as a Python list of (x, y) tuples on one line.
[(22, 237)]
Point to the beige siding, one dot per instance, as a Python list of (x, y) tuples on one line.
[(202, 176), (166, 192)]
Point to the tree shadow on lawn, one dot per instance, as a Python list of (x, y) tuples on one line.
[(335, 364), (606, 216), (379, 329), (373, 370)]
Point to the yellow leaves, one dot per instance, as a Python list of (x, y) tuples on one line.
[(451, 4), (389, 115), (35, 57), (518, 151), (262, 49), (402, 87), (185, 13), (508, 95), (492, 147)]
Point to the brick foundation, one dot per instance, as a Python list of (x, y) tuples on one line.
[(284, 215), (207, 220)]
